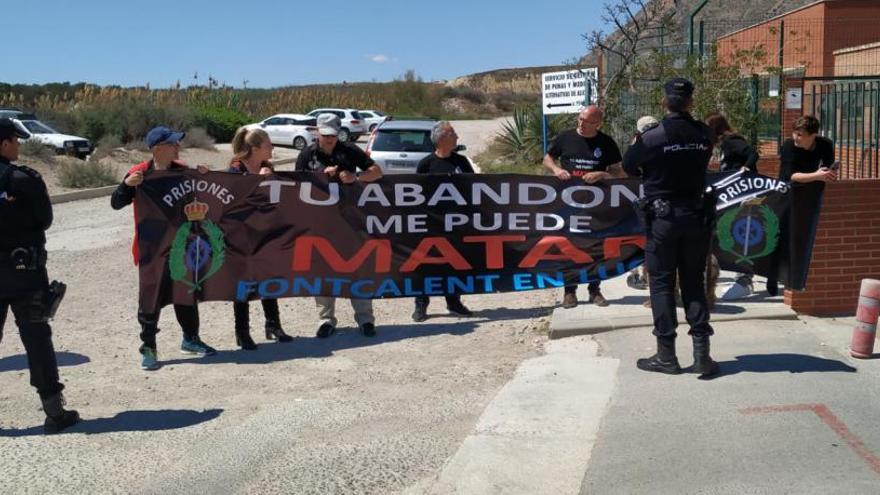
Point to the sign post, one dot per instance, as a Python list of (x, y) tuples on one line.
[(567, 91)]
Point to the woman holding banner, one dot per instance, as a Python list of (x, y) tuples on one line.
[(252, 150)]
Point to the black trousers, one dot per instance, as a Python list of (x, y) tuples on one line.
[(423, 301), (187, 317), (37, 340), (592, 288), (243, 317), (678, 243)]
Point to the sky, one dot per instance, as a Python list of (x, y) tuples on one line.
[(278, 43)]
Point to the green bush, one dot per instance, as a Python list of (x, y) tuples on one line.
[(220, 122), (76, 174)]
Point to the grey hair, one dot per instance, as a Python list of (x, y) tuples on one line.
[(437, 130)]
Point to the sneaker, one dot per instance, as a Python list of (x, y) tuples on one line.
[(325, 331), (598, 299), (736, 291), (196, 346), (149, 358), (459, 309), (420, 314), (368, 329), (569, 300)]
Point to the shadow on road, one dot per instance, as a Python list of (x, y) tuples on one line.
[(350, 338), (782, 363), (19, 361), (167, 419)]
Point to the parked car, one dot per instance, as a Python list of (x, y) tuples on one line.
[(373, 118), (9, 112), (289, 129), (62, 144), (353, 126), (398, 146)]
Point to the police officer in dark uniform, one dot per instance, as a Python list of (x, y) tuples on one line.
[(672, 159), (25, 214)]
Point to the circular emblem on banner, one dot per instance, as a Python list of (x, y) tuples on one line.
[(748, 232), (198, 250)]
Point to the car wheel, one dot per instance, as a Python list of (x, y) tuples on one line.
[(299, 142), (343, 135), (373, 127)]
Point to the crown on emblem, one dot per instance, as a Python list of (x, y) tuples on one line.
[(195, 211)]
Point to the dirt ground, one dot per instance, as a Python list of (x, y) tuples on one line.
[(343, 415)]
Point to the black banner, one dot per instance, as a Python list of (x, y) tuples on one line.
[(220, 236)]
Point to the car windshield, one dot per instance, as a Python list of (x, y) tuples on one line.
[(403, 140), (37, 127)]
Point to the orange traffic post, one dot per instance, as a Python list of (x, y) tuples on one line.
[(865, 332)]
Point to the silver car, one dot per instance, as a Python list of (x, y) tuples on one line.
[(398, 146)]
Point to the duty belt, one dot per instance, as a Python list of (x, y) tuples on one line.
[(24, 258)]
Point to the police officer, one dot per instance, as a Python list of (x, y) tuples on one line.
[(25, 214), (672, 159)]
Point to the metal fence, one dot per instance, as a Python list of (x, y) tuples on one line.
[(849, 114)]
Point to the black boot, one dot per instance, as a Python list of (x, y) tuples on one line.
[(244, 340), (703, 363), (57, 418), (275, 332), (664, 361), (420, 313)]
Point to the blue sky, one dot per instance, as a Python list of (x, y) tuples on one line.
[(276, 43)]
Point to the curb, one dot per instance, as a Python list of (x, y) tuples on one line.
[(84, 194), (564, 323), (537, 434)]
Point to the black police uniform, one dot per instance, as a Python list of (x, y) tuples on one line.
[(672, 159), (25, 215)]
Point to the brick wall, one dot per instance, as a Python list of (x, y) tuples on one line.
[(847, 249)]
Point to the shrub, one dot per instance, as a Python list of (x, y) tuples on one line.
[(197, 137), (37, 150), (220, 122), (76, 174), (105, 146)]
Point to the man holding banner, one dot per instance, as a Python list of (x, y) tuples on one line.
[(672, 160), (164, 145), (444, 160), (587, 153), (341, 161)]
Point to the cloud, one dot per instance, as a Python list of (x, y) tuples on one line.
[(381, 59)]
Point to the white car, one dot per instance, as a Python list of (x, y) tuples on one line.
[(373, 118), (353, 125), (62, 144), (289, 129)]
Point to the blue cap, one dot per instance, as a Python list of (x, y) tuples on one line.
[(163, 135)]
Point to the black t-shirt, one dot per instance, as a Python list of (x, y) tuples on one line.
[(346, 156), (796, 159), (453, 164), (239, 167), (580, 155), (736, 153)]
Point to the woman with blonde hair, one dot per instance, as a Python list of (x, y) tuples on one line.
[(252, 151)]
